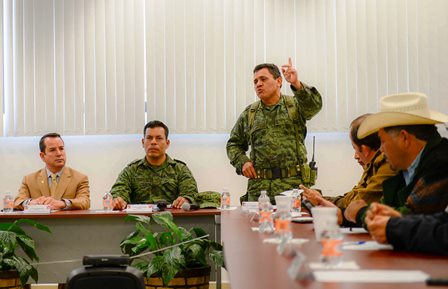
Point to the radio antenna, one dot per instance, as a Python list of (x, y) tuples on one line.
[(314, 145)]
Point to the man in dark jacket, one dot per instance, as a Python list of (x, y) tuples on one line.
[(414, 233), (412, 145)]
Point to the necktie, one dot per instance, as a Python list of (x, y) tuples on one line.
[(54, 184)]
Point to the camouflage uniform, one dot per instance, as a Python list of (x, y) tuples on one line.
[(273, 140), (141, 183)]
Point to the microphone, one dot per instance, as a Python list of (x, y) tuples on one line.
[(161, 205), (189, 207)]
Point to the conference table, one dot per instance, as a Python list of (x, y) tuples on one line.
[(88, 232), (250, 263)]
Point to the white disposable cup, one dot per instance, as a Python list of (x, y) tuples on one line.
[(284, 203), (323, 219)]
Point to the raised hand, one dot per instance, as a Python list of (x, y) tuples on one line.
[(290, 74)]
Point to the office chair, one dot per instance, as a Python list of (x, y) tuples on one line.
[(105, 272)]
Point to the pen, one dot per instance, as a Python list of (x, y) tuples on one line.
[(355, 243), (437, 281)]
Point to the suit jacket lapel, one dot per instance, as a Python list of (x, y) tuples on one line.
[(63, 183), (43, 183)]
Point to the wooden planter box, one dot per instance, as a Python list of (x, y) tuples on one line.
[(196, 278), (10, 280)]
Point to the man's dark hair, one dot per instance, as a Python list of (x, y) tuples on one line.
[(156, 123), (273, 69), (42, 145), (372, 140), (421, 131)]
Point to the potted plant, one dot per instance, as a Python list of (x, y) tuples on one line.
[(12, 265), (171, 264)]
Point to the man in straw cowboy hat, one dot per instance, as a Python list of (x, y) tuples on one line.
[(412, 145)]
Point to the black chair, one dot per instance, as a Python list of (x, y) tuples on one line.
[(105, 272)]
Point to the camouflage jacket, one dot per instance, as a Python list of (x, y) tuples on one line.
[(141, 183), (272, 138)]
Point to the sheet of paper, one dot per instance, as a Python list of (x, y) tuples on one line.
[(354, 231), (106, 212), (371, 276), (37, 209), (296, 214), (228, 209), (276, 241), (347, 265), (366, 246), (289, 193), (139, 208)]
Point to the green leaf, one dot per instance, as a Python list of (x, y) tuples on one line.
[(34, 274), (173, 262), (28, 246), (140, 264), (5, 226), (138, 218), (142, 229), (198, 232), (151, 242), (186, 235), (12, 227), (165, 219), (13, 236), (217, 257), (168, 262), (139, 248), (129, 242), (155, 266), (33, 223), (166, 239), (8, 242), (215, 245), (24, 269), (196, 255)]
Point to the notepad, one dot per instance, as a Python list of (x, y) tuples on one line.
[(371, 276), (366, 246), (37, 209)]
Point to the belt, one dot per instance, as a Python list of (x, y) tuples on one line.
[(277, 172)]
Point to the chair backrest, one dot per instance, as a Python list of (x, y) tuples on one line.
[(105, 277)]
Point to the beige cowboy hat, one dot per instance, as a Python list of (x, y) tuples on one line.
[(401, 109)]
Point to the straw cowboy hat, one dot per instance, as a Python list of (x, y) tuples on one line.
[(401, 109)]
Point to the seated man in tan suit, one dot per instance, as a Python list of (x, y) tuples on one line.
[(56, 185)]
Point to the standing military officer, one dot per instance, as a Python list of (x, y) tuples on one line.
[(275, 129), (155, 177)]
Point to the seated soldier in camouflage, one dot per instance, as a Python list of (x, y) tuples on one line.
[(155, 177), (370, 187)]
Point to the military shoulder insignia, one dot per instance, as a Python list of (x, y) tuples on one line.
[(134, 162), (178, 161)]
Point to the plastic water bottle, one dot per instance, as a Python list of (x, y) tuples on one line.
[(8, 203), (331, 240), (283, 220), (296, 201), (107, 201), (225, 199), (266, 223)]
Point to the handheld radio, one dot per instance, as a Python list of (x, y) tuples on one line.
[(312, 164)]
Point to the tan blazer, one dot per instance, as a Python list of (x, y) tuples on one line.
[(72, 185)]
